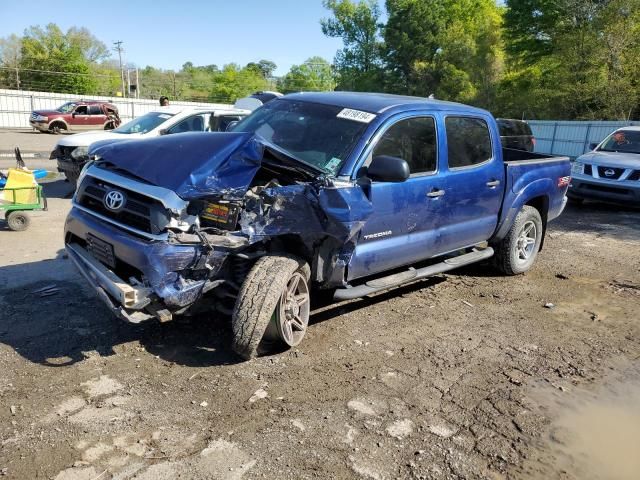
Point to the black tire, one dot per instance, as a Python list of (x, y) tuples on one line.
[(56, 128), (512, 257), (258, 298), (18, 220)]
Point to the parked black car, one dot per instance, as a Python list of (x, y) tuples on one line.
[(516, 134)]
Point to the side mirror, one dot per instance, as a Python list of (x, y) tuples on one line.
[(73, 114), (593, 146), (230, 125), (164, 131), (388, 169)]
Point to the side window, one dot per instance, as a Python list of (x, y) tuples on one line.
[(95, 110), (81, 110), (414, 140), (468, 141), (194, 123)]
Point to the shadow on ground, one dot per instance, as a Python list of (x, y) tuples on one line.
[(71, 324), (601, 219)]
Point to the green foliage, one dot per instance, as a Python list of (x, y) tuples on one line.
[(358, 64), (314, 75), (449, 48), (585, 53), (264, 68), (49, 49), (235, 82)]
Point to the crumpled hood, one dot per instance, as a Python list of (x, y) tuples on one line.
[(193, 165), (612, 159)]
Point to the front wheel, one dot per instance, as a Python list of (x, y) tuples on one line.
[(517, 252), (273, 303)]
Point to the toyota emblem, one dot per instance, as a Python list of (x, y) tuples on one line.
[(609, 172), (114, 200)]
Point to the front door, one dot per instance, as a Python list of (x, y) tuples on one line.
[(403, 227)]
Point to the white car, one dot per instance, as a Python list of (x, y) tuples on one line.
[(71, 151)]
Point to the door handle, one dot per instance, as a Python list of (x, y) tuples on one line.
[(435, 193), (493, 183)]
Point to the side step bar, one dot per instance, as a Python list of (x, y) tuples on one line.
[(411, 275)]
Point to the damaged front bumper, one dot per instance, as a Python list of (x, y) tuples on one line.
[(136, 278)]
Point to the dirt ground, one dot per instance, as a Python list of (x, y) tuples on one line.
[(467, 375)]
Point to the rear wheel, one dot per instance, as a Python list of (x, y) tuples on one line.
[(273, 304), (18, 220), (519, 249)]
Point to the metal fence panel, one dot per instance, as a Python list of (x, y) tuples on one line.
[(569, 137), (17, 105)]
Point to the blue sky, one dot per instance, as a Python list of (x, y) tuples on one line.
[(166, 34)]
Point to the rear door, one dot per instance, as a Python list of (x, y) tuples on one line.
[(474, 182), (97, 118), (402, 228)]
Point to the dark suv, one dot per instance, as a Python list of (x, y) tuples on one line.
[(516, 134)]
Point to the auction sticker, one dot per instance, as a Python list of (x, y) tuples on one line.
[(356, 115)]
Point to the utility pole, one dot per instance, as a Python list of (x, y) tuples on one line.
[(118, 48)]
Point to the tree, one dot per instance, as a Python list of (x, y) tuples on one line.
[(10, 57), (47, 50), (264, 67), (450, 48), (357, 24), (234, 82), (314, 75), (585, 52)]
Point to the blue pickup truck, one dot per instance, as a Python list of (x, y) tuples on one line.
[(343, 192)]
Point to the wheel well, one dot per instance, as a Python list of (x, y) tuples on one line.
[(542, 205), (60, 123), (293, 245)]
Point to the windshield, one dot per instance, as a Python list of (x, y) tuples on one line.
[(627, 141), (310, 132), (66, 108), (144, 124)]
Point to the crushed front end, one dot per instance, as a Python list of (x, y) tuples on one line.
[(172, 225), (139, 260)]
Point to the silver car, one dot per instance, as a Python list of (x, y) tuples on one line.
[(611, 172)]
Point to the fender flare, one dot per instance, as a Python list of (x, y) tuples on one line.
[(58, 119), (536, 189)]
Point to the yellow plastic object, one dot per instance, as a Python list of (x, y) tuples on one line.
[(21, 179)]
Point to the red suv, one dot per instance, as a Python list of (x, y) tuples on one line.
[(76, 117)]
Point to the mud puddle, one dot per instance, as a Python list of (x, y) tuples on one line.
[(596, 434)]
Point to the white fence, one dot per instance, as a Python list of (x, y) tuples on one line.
[(571, 138), (17, 105)]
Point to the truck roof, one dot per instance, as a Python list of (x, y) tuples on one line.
[(378, 102)]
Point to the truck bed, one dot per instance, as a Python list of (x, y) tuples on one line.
[(512, 156), (532, 177)]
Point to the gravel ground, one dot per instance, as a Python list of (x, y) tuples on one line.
[(466, 375)]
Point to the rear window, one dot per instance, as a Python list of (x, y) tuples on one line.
[(513, 128)]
